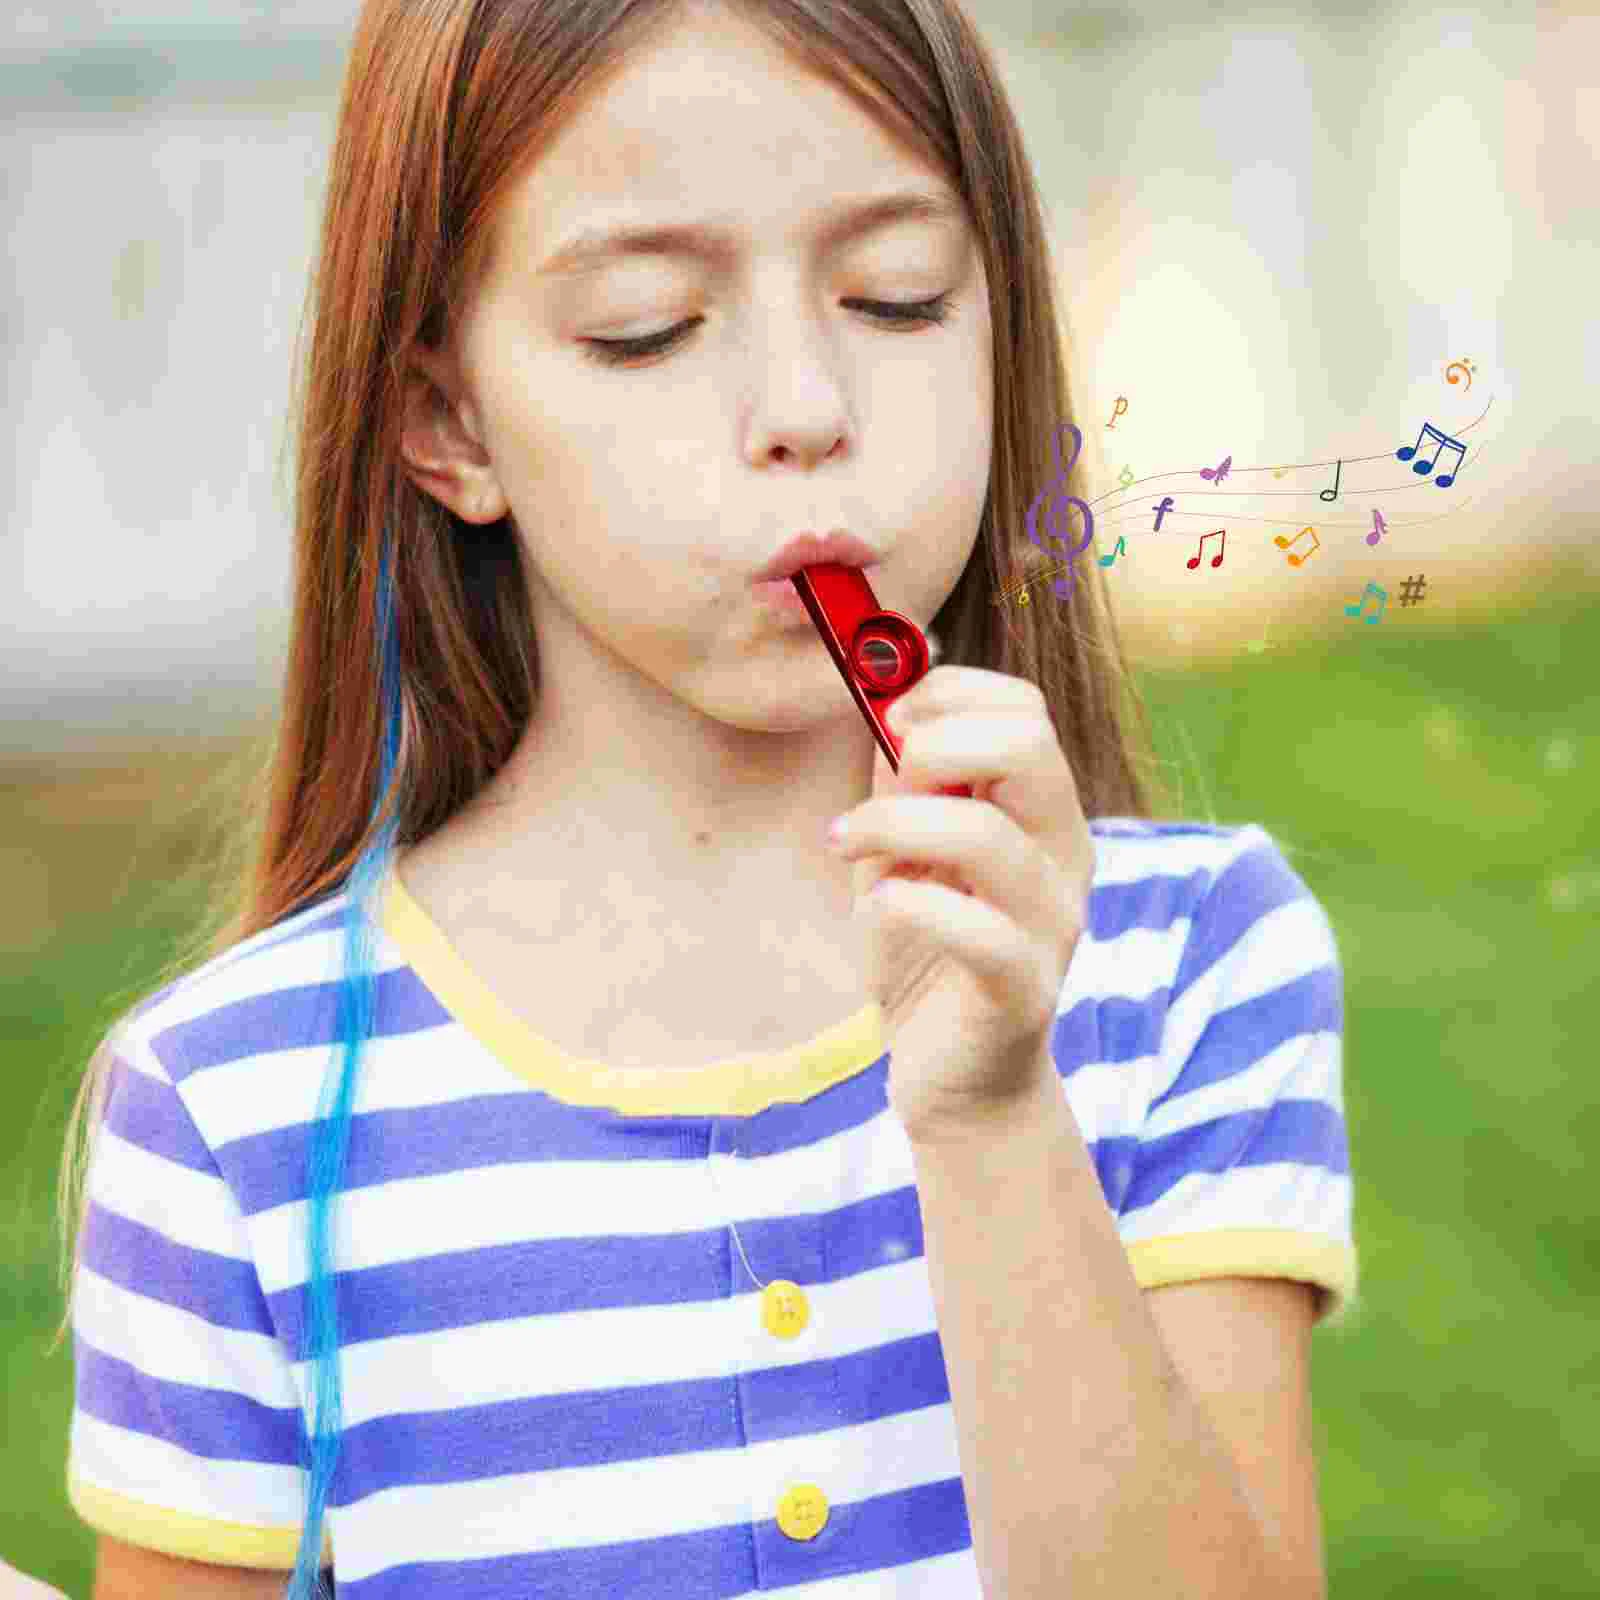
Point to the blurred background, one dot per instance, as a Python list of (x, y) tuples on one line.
[(1280, 231)]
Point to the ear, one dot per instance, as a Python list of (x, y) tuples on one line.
[(439, 448)]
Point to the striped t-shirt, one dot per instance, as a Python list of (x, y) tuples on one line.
[(560, 1375)]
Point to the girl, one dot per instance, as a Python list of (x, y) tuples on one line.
[(982, 1256)]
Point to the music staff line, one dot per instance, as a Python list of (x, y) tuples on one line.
[(1359, 494), (1002, 595), (1321, 522), (1130, 513), (1135, 506), (1296, 494), (1303, 466)]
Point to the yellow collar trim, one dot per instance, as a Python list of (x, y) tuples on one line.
[(738, 1087)]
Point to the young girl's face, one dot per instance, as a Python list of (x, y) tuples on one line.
[(781, 396)]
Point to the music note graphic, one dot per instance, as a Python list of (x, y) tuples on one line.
[(1406, 451), (1125, 477), (1216, 560), (1218, 473), (1360, 606), (1283, 544), (1057, 505), (1122, 544), (1379, 527), (1122, 405), (1020, 590), (1330, 495)]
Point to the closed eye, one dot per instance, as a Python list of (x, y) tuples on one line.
[(905, 313)]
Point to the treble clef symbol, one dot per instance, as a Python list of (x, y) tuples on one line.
[(1058, 505)]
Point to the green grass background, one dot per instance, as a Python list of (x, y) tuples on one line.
[(1438, 788)]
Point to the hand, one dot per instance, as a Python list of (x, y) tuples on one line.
[(978, 904)]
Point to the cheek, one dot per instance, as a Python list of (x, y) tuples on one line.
[(634, 553), (689, 480), (959, 411), (618, 508)]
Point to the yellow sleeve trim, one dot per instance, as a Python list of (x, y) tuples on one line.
[(1331, 1264), (176, 1533)]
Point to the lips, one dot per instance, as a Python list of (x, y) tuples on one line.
[(808, 549)]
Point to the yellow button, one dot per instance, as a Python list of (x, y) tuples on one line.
[(784, 1312), (803, 1511)]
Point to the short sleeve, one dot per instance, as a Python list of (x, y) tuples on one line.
[(185, 1422), (1242, 1167)]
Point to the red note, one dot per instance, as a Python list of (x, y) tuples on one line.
[(1216, 560)]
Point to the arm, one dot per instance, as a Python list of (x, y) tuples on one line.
[(1089, 1468), (133, 1572)]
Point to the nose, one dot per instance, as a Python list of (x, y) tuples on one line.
[(799, 412)]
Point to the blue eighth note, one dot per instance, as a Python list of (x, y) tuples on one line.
[(1057, 506), (1406, 451), (1361, 604)]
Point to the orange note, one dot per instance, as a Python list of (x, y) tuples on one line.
[(1283, 544), (1216, 560)]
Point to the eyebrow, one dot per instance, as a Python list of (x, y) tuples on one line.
[(592, 248)]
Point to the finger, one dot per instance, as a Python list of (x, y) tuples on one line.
[(951, 688), (1010, 755), (984, 746), (977, 848), (978, 936), (1014, 762), (867, 871)]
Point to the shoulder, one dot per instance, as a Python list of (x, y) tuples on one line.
[(1207, 1058), (1206, 952), (1185, 920), (1135, 849), (292, 953), (1205, 881), (272, 995)]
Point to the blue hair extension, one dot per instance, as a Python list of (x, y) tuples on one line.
[(330, 1138)]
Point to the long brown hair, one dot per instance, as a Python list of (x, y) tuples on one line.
[(444, 106)]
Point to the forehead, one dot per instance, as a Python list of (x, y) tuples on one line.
[(711, 119)]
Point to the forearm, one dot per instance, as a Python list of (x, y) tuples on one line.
[(1088, 1467)]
